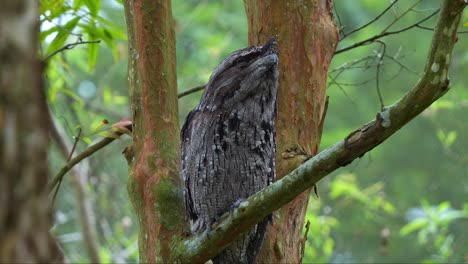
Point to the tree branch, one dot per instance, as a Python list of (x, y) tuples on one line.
[(71, 46), (372, 21), (86, 153), (190, 91), (85, 209), (433, 85), (384, 34)]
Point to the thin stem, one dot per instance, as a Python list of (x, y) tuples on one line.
[(376, 37), (71, 46), (370, 22)]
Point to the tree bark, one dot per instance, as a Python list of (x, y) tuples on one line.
[(308, 38), (25, 215), (154, 185)]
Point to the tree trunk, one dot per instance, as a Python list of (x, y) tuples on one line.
[(154, 185), (25, 215), (307, 37)]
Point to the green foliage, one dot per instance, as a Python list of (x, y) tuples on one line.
[(426, 161), (431, 223), (62, 18)]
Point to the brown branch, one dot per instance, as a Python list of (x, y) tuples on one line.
[(86, 153), (71, 46), (190, 91), (384, 34), (69, 156), (401, 15), (380, 56), (85, 209), (433, 85), (372, 21)]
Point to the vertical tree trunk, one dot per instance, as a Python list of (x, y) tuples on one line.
[(25, 213), (154, 185), (307, 40)]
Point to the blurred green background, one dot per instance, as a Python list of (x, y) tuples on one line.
[(404, 202)]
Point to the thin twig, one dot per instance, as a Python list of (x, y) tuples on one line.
[(85, 208), (338, 17), (394, 59), (388, 33), (86, 153), (71, 46), (370, 22), (400, 16), (190, 91), (380, 57), (431, 29), (77, 138), (304, 240)]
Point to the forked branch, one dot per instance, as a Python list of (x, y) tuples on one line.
[(432, 85)]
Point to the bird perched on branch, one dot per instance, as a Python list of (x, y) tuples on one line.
[(228, 144)]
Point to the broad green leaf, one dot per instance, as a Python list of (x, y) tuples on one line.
[(50, 5), (116, 31), (57, 11), (453, 215), (43, 35), (87, 140), (92, 55), (107, 37), (451, 137), (413, 226), (62, 36), (71, 94), (94, 6), (77, 4)]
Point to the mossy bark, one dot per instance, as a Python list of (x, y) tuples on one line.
[(307, 40), (154, 185)]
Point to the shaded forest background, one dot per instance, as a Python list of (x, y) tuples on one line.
[(403, 202)]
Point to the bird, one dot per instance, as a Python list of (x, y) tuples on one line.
[(228, 145)]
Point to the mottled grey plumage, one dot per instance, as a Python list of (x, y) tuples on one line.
[(228, 144)]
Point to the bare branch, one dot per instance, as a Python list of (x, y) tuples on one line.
[(77, 138), (71, 46), (372, 21), (85, 209), (384, 34), (86, 153), (380, 56), (401, 15), (433, 85), (190, 91)]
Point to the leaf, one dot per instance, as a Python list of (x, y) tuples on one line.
[(77, 4), (94, 6), (92, 56), (413, 226), (465, 24), (101, 125), (93, 48), (107, 134), (47, 32), (451, 137), (108, 38), (87, 140), (62, 36), (52, 5)]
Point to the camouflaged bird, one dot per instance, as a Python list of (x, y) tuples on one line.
[(228, 144)]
